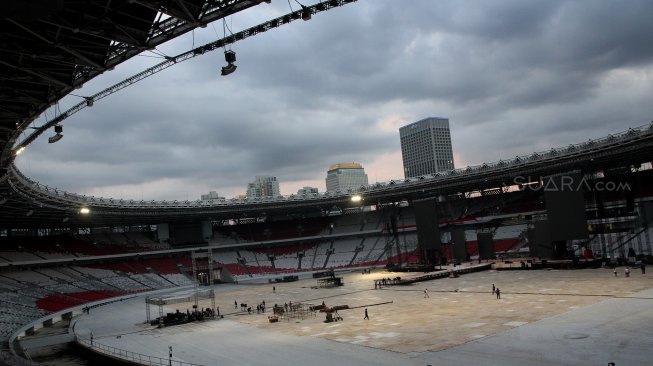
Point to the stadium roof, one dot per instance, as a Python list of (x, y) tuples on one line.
[(30, 204), (49, 48)]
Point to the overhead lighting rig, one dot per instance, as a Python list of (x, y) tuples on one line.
[(230, 57), (58, 129)]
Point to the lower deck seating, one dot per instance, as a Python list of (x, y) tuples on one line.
[(30, 294)]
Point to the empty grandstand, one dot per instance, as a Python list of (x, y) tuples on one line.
[(57, 264)]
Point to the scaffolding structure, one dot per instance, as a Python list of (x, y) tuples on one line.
[(160, 302), (297, 310), (203, 277), (202, 274)]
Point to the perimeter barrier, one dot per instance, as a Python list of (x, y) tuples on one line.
[(130, 356)]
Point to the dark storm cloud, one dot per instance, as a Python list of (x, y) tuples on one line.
[(463, 52), (513, 76)]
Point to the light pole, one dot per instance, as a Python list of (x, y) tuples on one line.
[(170, 356)]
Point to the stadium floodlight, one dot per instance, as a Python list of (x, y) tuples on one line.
[(226, 70), (230, 57), (356, 198), (58, 129), (55, 138), (84, 211), (20, 150)]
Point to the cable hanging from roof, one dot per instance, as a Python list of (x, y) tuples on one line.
[(229, 54)]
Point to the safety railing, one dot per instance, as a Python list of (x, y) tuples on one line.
[(131, 356)]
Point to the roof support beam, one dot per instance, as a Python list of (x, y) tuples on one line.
[(63, 48), (38, 75), (185, 9)]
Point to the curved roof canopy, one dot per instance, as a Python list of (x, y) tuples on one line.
[(48, 48)]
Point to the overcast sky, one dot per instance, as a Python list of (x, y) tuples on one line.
[(512, 76)]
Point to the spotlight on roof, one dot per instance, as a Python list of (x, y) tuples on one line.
[(84, 211), (356, 198), (58, 129), (230, 57)]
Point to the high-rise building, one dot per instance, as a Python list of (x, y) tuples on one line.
[(263, 186), (344, 176), (426, 147)]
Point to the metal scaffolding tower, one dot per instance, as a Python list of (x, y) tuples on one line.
[(202, 277)]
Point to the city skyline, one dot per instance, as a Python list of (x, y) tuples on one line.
[(513, 77)]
